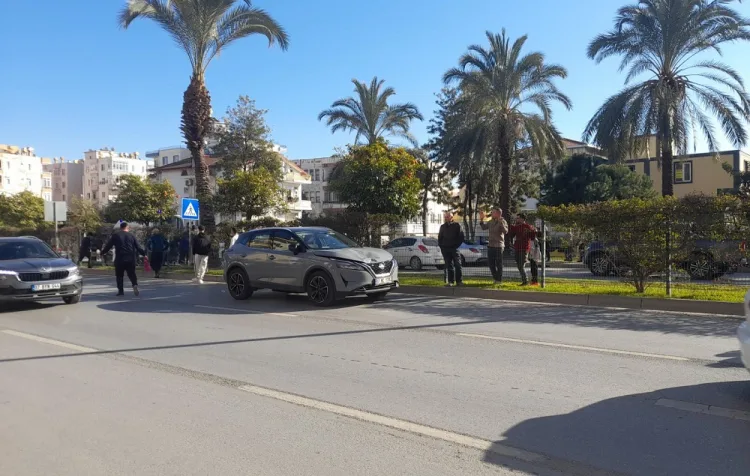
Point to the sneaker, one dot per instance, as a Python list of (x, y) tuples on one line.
[(200, 281), (460, 285), (194, 280), (120, 293), (135, 290), (449, 285)]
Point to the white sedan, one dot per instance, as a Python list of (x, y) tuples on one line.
[(743, 333)]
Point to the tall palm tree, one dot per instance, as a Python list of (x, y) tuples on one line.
[(370, 115), (203, 29), (499, 87), (664, 38)]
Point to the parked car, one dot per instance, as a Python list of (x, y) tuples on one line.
[(708, 260), (320, 262), (472, 253), (31, 271), (416, 252), (743, 334)]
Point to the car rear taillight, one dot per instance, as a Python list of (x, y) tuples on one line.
[(474, 250), (423, 249)]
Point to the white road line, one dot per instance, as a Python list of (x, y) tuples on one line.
[(576, 347), (249, 311), (44, 340), (395, 423), (704, 409)]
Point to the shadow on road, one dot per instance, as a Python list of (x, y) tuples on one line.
[(634, 435)]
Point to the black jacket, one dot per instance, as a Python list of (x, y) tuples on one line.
[(201, 245), (451, 236), (86, 245), (126, 247)]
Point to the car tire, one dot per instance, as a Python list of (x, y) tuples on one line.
[(377, 296), (72, 299), (238, 285), (320, 289), (701, 267), (415, 263), (600, 265)]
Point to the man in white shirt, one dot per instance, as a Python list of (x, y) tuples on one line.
[(234, 237)]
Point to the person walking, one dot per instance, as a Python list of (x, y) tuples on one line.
[(201, 250), (233, 239), (498, 228), (126, 247), (523, 234), (85, 250), (450, 238), (158, 247)]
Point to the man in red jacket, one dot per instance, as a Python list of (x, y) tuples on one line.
[(524, 234)]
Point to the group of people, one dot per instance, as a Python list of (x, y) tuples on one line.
[(127, 249), (522, 235)]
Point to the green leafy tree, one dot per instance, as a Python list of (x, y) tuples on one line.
[(23, 210), (618, 182), (142, 201), (376, 179), (84, 216), (498, 90), (203, 29), (370, 115), (243, 140), (667, 40), (252, 193)]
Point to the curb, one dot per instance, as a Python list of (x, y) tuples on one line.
[(590, 300)]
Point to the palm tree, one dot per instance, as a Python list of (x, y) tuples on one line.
[(203, 29), (664, 39), (498, 88), (370, 115)]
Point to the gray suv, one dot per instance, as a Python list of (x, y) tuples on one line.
[(30, 271), (320, 262)]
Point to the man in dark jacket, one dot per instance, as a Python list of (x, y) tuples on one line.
[(158, 246), (126, 247), (201, 250), (85, 251), (450, 237)]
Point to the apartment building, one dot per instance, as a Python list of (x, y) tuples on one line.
[(102, 169), (20, 170), (168, 155), (46, 180), (320, 170), (66, 178)]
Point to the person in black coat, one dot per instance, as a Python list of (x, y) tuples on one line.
[(85, 250), (126, 250), (450, 238)]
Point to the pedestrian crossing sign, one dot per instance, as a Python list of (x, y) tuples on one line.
[(190, 209)]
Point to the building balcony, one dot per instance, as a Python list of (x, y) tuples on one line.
[(299, 205), (296, 179)]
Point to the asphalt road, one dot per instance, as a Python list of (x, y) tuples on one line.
[(184, 380)]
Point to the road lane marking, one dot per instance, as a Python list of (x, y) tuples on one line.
[(248, 311), (397, 424), (576, 347), (44, 340), (704, 409)]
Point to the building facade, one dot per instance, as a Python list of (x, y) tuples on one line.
[(101, 172), (321, 199), (168, 155), (20, 171), (66, 179)]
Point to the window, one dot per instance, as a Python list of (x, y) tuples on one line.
[(132, 168), (683, 172), (63, 172), (398, 243), (305, 195), (47, 197), (103, 167), (430, 242), (260, 240), (47, 183), (317, 197), (29, 166), (184, 173), (322, 239), (63, 197), (63, 185), (103, 195), (317, 175), (175, 158), (165, 160), (283, 240), (409, 242), (88, 195)]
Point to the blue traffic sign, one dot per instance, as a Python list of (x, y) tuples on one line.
[(190, 209)]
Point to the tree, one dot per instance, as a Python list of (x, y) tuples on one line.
[(665, 39), (618, 182), (142, 201), (84, 216), (435, 180), (243, 140), (369, 115), (203, 29), (23, 210), (376, 179), (253, 193), (498, 88)]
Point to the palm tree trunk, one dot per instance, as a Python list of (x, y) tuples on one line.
[(667, 164), (196, 124), (504, 150)]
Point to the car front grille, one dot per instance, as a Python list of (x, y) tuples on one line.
[(385, 269), (54, 275)]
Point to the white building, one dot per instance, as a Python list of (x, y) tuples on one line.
[(20, 171), (316, 192), (168, 155), (102, 170), (66, 179)]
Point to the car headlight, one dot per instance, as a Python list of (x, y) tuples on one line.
[(7, 274), (348, 265), (73, 271)]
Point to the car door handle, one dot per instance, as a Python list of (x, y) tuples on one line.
[(271, 257)]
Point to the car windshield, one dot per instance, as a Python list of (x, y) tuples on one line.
[(325, 240), (25, 250)]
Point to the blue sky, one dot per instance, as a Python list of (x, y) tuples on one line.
[(72, 80)]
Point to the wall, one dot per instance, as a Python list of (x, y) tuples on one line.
[(20, 173)]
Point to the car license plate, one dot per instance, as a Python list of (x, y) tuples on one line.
[(382, 281), (45, 287)]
